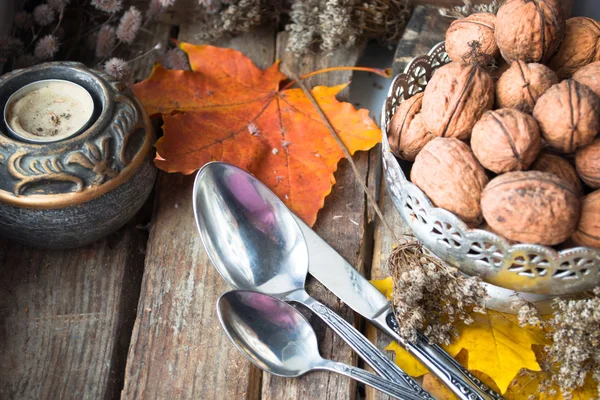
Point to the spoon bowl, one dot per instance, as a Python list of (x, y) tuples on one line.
[(272, 334), (278, 339), (252, 240)]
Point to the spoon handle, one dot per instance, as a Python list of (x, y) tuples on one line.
[(464, 384), (363, 347), (391, 388)]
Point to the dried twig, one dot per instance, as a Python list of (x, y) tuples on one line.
[(346, 153)]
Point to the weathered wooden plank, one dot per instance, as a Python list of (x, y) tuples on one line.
[(66, 317), (425, 28), (178, 349), (341, 223), (421, 34)]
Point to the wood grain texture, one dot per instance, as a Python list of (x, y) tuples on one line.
[(178, 349), (66, 317), (341, 223), (425, 29)]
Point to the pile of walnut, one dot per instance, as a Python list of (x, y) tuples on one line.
[(507, 149)]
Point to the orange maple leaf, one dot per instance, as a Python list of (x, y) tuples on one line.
[(229, 110)]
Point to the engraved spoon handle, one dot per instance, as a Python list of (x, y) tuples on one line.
[(391, 388), (440, 363), (363, 347)]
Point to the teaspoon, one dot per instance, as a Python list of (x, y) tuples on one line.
[(278, 339)]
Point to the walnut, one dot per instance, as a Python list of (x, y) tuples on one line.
[(588, 229), (523, 84), (413, 141), (455, 98), (529, 30), (590, 76), (472, 39), (580, 47), (448, 172), (531, 207), (559, 166), (587, 161), (568, 116), (506, 140), (406, 133)]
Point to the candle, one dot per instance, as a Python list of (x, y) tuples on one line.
[(48, 110)]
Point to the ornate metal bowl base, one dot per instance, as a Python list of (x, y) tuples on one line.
[(72, 192), (527, 268)]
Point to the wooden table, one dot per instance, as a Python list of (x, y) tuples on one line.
[(133, 315)]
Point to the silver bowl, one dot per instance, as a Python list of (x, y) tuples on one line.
[(528, 268)]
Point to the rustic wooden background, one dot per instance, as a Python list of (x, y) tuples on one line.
[(133, 315)]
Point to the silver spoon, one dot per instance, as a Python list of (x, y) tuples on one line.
[(278, 339), (256, 244)]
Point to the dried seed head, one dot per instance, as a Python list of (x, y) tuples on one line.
[(108, 6), (46, 48), (176, 59), (43, 15), (117, 68), (129, 25), (105, 41)]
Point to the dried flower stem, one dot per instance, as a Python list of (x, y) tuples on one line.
[(346, 153)]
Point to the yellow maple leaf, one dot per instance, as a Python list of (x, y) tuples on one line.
[(497, 346), (527, 383)]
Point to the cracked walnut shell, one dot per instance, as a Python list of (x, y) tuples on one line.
[(559, 166), (506, 140), (580, 47), (523, 84), (529, 30), (478, 27), (587, 161), (406, 133), (455, 98), (448, 173), (531, 207), (588, 229), (568, 116)]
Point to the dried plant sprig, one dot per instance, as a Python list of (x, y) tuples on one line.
[(176, 59), (105, 41), (46, 48), (108, 6), (574, 329), (342, 23), (43, 15), (117, 68), (431, 296), (130, 24), (575, 341), (468, 8)]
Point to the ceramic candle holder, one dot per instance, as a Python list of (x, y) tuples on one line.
[(70, 188)]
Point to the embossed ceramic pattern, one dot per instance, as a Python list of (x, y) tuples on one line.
[(521, 267), (82, 167), (73, 191)]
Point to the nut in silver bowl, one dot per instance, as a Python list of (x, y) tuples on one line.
[(526, 268)]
